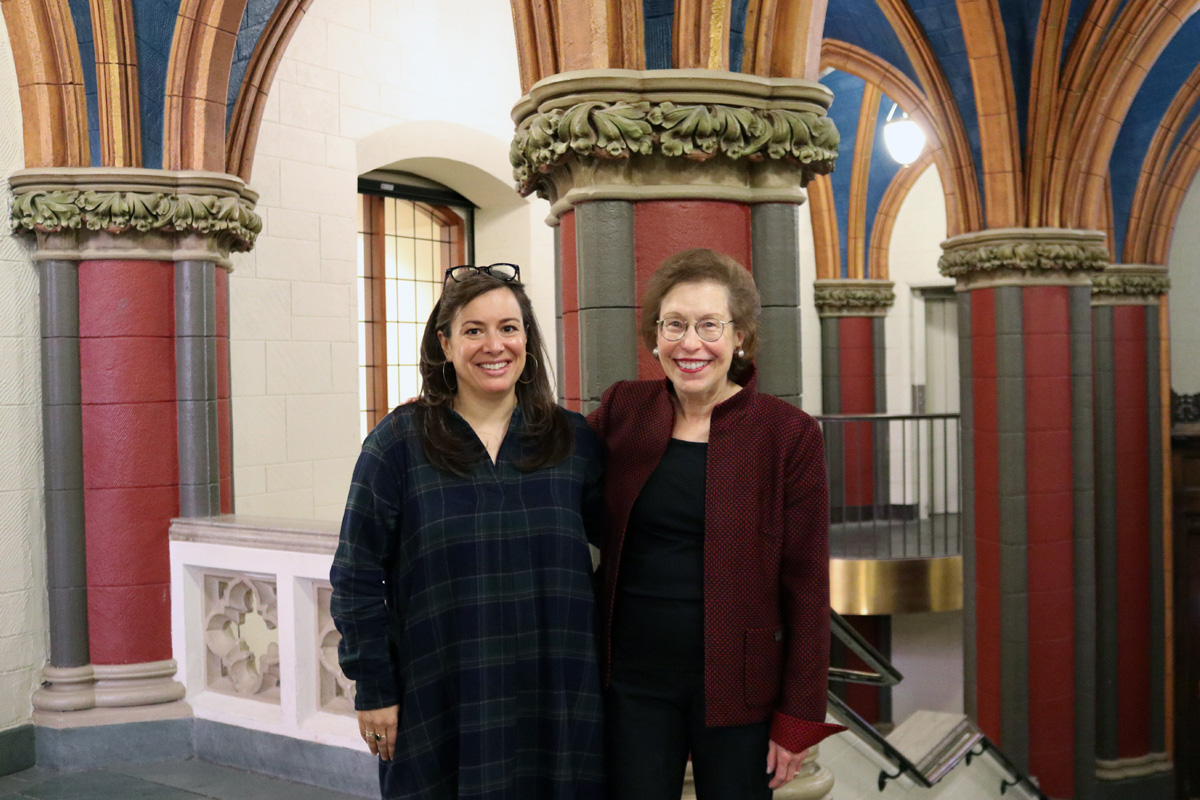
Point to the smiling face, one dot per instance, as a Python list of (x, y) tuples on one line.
[(487, 345), (697, 368)]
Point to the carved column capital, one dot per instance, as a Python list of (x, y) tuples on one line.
[(86, 213), (1130, 285), (1024, 257), (853, 298), (671, 134)]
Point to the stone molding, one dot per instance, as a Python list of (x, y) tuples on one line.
[(268, 533), (605, 132), (1130, 284), (1123, 768), (77, 214), (853, 298), (107, 686), (1023, 257)]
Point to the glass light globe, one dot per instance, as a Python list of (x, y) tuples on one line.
[(904, 139)]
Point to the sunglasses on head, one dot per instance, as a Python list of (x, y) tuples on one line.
[(501, 272)]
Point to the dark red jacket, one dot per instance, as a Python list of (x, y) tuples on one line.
[(766, 550)]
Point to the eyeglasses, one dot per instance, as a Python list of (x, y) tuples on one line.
[(709, 330), (501, 272)]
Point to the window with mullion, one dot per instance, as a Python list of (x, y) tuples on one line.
[(405, 247)]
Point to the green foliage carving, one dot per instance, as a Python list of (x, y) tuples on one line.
[(230, 218), (603, 130)]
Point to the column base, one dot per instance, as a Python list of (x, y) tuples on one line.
[(150, 683), (76, 689), (66, 689), (1148, 777)]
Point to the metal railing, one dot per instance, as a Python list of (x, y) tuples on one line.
[(895, 487), (959, 745)]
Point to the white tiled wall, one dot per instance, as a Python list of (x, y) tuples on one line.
[(1184, 266), (22, 549), (364, 84)]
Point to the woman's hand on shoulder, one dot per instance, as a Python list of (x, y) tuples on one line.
[(378, 729), (784, 763)]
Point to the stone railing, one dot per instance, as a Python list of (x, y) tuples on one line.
[(251, 626)]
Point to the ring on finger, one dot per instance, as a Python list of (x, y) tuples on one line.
[(377, 736)]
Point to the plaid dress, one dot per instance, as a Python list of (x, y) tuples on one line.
[(468, 602)]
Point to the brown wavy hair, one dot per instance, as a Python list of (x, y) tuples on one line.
[(707, 266), (547, 437)]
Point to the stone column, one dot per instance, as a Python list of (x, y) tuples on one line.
[(1028, 560), (134, 317), (1131, 747), (853, 381), (640, 165)]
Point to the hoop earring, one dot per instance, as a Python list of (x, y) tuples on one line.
[(654, 352), (445, 379), (532, 377)]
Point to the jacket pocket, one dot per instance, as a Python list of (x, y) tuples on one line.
[(763, 662)]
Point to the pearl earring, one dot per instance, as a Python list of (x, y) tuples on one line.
[(654, 352), (741, 353)]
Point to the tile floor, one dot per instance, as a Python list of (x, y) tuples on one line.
[(172, 780)]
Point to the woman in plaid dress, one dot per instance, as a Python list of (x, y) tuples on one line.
[(462, 580)]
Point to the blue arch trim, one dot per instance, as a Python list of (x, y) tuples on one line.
[(254, 22), (883, 171), (847, 100), (154, 32), (81, 17), (944, 29), (1166, 77), (658, 17), (737, 34), (862, 24)]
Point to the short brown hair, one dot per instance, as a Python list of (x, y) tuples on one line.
[(707, 266)]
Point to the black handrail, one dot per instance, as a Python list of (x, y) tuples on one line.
[(887, 675)]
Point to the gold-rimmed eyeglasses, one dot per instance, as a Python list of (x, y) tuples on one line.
[(709, 330)]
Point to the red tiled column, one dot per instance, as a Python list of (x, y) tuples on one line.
[(130, 469), (1131, 615), (1028, 558)]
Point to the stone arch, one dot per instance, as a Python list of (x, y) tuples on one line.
[(198, 83), (889, 209), (252, 97), (50, 76)]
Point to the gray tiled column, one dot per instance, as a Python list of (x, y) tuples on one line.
[(775, 262), (880, 440), (1106, 557), (608, 338), (1084, 538), (831, 403), (966, 370), (196, 388), (1158, 589), (62, 437), (1014, 572)]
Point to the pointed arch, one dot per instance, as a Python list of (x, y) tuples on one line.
[(252, 97), (1180, 171), (896, 85), (198, 83), (889, 210), (117, 84), (996, 109), (825, 228), (564, 35), (860, 175), (1150, 183), (50, 79), (1085, 143), (942, 105), (783, 38), (1044, 101)]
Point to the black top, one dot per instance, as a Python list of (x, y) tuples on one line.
[(660, 604)]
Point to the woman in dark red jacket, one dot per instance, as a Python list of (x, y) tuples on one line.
[(716, 567)]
